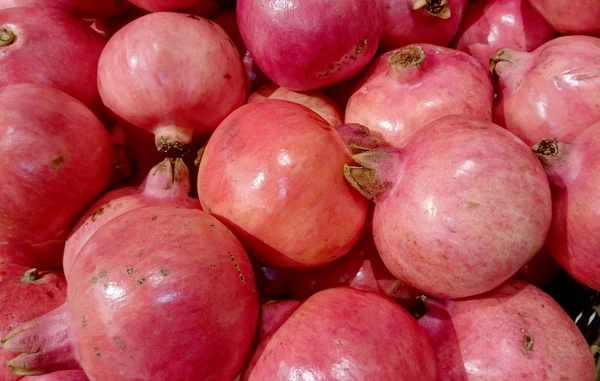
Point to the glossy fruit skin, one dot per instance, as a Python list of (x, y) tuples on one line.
[(168, 183), (516, 322), (272, 172), (397, 100), (47, 42), (404, 26), (37, 294), (79, 8), (344, 333), (492, 25), (339, 42), (55, 158), (314, 100), (576, 179), (551, 92), (190, 265), (571, 17), (472, 206), (143, 75)]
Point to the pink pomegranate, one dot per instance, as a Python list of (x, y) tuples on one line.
[(255, 77), (144, 76), (160, 263), (459, 210), (420, 21), (314, 100), (37, 44), (56, 158), (273, 314), (492, 25), (272, 173), (409, 87), (574, 173), (25, 294), (515, 332), (551, 92), (168, 183), (65, 375), (341, 39), (80, 8), (571, 17), (349, 334), (540, 270)]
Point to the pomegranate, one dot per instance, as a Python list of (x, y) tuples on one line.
[(420, 21), (551, 92), (344, 333), (37, 44), (409, 87), (167, 183), (65, 375), (80, 8), (107, 27), (143, 76), (574, 173), (314, 100), (340, 40), (571, 17), (158, 263), (460, 209), (25, 294), (515, 332), (272, 173), (57, 158), (491, 25)]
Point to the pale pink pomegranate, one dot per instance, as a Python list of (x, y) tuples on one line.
[(459, 209), (406, 88), (515, 332), (571, 17), (551, 92), (492, 25), (272, 173), (420, 21)]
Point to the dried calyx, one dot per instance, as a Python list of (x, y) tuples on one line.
[(412, 55), (437, 8), (7, 37)]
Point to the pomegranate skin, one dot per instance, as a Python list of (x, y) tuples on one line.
[(272, 173), (466, 205), (571, 17), (26, 294), (576, 178), (348, 334), (492, 25), (551, 92), (517, 323), (191, 265), (56, 158), (435, 23), (46, 41), (167, 183), (65, 375), (314, 100), (143, 76), (340, 40), (79, 8), (409, 87)]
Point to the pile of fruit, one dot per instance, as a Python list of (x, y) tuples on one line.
[(299, 190)]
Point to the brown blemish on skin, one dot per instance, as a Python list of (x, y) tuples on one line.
[(527, 342), (360, 47), (420, 307), (237, 268), (474, 205), (95, 280), (120, 342), (58, 162), (141, 281), (164, 272), (100, 211), (102, 273), (84, 322), (212, 265), (406, 57), (130, 269), (212, 225), (105, 286), (153, 218), (336, 65)]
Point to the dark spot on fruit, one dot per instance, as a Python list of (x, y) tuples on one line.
[(141, 281), (474, 205), (193, 17), (227, 76), (95, 280), (120, 342), (84, 322), (237, 268), (360, 47), (336, 342), (212, 225), (420, 307), (164, 272), (102, 274), (97, 352), (130, 269), (100, 211), (213, 265), (527, 342), (58, 162), (105, 286), (153, 218)]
